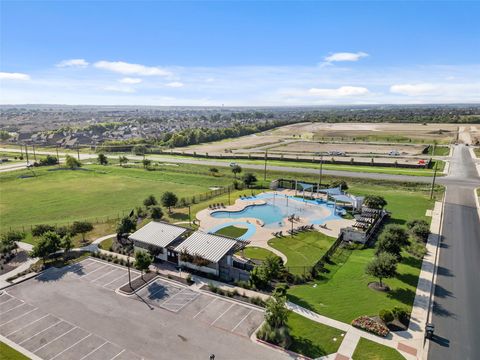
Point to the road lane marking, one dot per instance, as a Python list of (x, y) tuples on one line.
[(71, 346), (241, 321), (222, 314)]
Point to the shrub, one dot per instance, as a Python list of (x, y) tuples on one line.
[(370, 325), (213, 288), (277, 336), (401, 315), (386, 316), (39, 230)]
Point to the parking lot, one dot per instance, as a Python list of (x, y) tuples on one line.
[(74, 313)]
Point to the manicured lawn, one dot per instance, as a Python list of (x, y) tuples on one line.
[(98, 193), (8, 353), (312, 339), (439, 151), (369, 350), (302, 250), (257, 253), (106, 244), (232, 231), (344, 294)]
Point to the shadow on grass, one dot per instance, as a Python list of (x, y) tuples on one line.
[(300, 301), (179, 216), (408, 279), (405, 296), (306, 347)]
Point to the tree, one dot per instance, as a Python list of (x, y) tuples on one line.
[(49, 160), (375, 201), (156, 213), (383, 266), (249, 179), (47, 245), (39, 230), (67, 245), (342, 184), (387, 244), (122, 160), (275, 329), (169, 199), (214, 171), (259, 277), (72, 163), (81, 227), (236, 169), (102, 159), (273, 266), (126, 225), (9, 241), (139, 150), (143, 260), (150, 200), (146, 163)]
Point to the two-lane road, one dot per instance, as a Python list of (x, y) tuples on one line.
[(456, 310)]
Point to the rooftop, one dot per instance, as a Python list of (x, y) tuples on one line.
[(208, 246), (157, 233)]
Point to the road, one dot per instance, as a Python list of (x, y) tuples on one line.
[(456, 314)]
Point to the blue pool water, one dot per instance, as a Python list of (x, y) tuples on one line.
[(278, 208)]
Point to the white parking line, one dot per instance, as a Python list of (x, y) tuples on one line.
[(101, 276), (91, 352), (205, 307), (71, 346), (3, 302), (12, 298), (58, 337), (18, 317), (223, 314), (241, 320), (115, 280), (23, 327), (38, 333), (156, 292), (99, 268), (120, 353), (15, 307)]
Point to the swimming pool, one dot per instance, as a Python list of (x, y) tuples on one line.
[(279, 207)]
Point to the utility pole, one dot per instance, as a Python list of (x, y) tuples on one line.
[(433, 181), (21, 150), (58, 158), (265, 169), (34, 155), (78, 153), (320, 174)]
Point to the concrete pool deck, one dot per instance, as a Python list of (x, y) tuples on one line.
[(262, 234)]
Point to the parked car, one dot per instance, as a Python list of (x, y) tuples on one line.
[(394, 153)]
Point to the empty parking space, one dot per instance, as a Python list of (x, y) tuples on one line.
[(51, 337)]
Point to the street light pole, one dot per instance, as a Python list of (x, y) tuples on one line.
[(433, 181), (265, 168)]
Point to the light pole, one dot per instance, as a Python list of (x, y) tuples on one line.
[(433, 181), (189, 216), (265, 168)]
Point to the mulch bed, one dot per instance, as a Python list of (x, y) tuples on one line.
[(376, 286), (138, 283)]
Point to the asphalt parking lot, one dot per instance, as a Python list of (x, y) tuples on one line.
[(74, 313)]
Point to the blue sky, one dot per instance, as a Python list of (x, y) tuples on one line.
[(239, 53)]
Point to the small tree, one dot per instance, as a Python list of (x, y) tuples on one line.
[(102, 159), (49, 160), (236, 169), (81, 227), (139, 150), (9, 241), (67, 245), (143, 260), (156, 213), (249, 179), (275, 329), (387, 244), (169, 199), (150, 200), (72, 163), (39, 230), (214, 171), (146, 163), (47, 245), (126, 225), (375, 202), (383, 266), (122, 160), (342, 184)]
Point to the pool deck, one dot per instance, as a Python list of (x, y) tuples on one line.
[(263, 234)]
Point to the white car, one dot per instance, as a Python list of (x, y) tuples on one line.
[(394, 153)]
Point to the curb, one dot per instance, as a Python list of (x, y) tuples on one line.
[(20, 349)]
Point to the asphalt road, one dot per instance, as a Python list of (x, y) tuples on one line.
[(456, 314)]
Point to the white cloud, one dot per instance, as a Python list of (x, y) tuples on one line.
[(120, 89), (14, 76), (345, 56), (128, 80), (72, 63), (342, 91), (175, 84), (131, 69), (413, 89)]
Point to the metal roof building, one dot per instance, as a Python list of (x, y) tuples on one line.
[(158, 234), (208, 246)]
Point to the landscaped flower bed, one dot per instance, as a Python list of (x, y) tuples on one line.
[(370, 325)]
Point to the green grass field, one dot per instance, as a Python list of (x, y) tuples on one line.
[(477, 151), (344, 294), (312, 339), (257, 253), (232, 231), (369, 350), (302, 250), (8, 353), (439, 151)]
